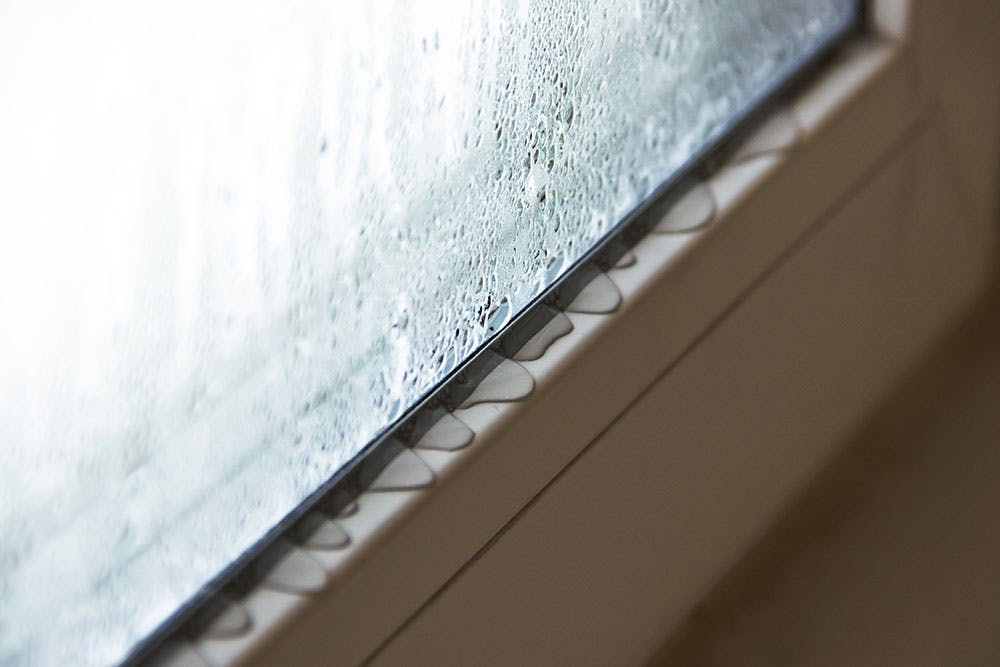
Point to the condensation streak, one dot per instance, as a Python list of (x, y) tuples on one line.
[(239, 238)]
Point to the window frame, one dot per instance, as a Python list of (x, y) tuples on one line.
[(243, 576)]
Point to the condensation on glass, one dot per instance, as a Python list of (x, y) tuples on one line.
[(238, 239)]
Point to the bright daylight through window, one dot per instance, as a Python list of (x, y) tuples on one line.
[(240, 239)]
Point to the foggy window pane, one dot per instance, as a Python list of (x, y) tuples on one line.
[(239, 238)]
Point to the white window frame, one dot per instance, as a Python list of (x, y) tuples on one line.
[(413, 549)]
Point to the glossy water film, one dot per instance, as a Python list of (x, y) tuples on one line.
[(240, 238)]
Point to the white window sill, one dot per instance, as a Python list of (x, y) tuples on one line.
[(341, 606)]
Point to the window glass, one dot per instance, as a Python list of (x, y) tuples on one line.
[(240, 238)]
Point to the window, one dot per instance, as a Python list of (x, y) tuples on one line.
[(241, 240)]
